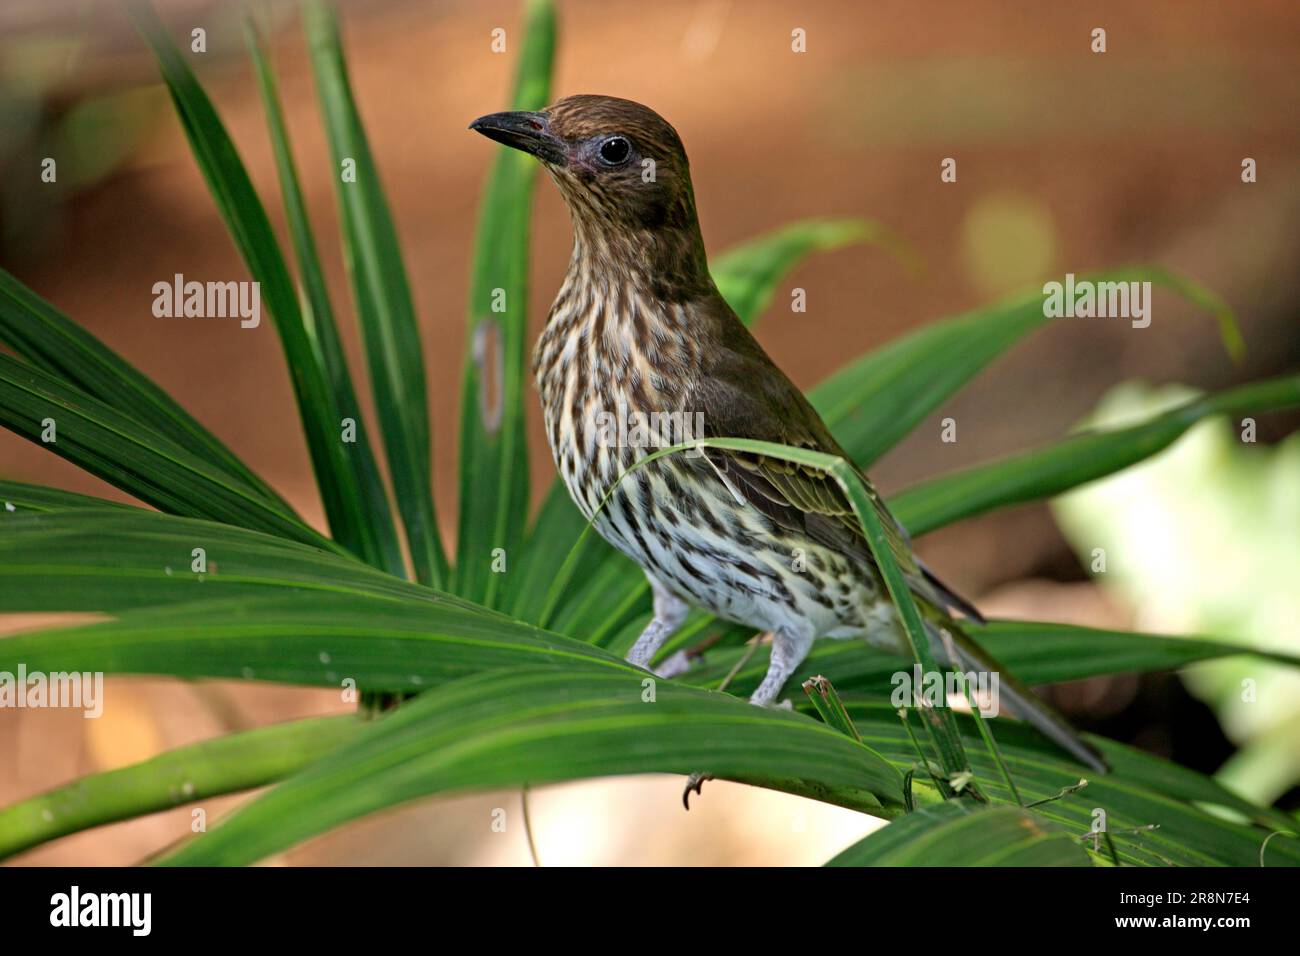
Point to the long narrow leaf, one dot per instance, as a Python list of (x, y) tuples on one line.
[(956, 834), (227, 764), (47, 338), (383, 299), (556, 530), (315, 638), (747, 276), (1038, 652), (493, 439), (536, 727), (111, 559), (873, 402), (136, 459), (376, 537), (247, 222), (1076, 460), (17, 496)]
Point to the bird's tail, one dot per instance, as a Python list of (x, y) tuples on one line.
[(1013, 696)]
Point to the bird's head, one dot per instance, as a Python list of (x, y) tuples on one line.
[(618, 164)]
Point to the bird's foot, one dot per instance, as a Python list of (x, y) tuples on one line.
[(760, 700), (695, 782), (675, 665)]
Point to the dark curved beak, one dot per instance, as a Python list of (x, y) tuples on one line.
[(530, 132)]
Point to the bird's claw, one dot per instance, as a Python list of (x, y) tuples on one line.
[(694, 782)]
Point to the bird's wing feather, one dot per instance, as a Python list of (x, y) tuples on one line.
[(743, 394)]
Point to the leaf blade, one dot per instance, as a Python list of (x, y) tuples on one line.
[(534, 727), (313, 637), (109, 559), (493, 438), (955, 834), (229, 764), (48, 339), (249, 227), (873, 402), (382, 296), (1039, 652), (374, 538), (1075, 460), (747, 275), (117, 448)]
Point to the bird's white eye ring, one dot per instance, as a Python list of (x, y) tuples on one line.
[(614, 151)]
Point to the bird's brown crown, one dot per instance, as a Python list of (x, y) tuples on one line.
[(587, 115)]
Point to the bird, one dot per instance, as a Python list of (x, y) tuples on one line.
[(638, 329)]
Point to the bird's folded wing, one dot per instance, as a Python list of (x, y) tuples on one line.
[(796, 497), (807, 500), (741, 393)]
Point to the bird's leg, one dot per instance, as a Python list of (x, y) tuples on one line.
[(789, 647), (670, 611)]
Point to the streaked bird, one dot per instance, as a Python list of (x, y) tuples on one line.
[(638, 329)]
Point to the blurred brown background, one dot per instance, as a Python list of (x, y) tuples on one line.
[(1067, 161)]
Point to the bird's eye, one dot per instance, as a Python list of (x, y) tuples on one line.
[(615, 150)]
